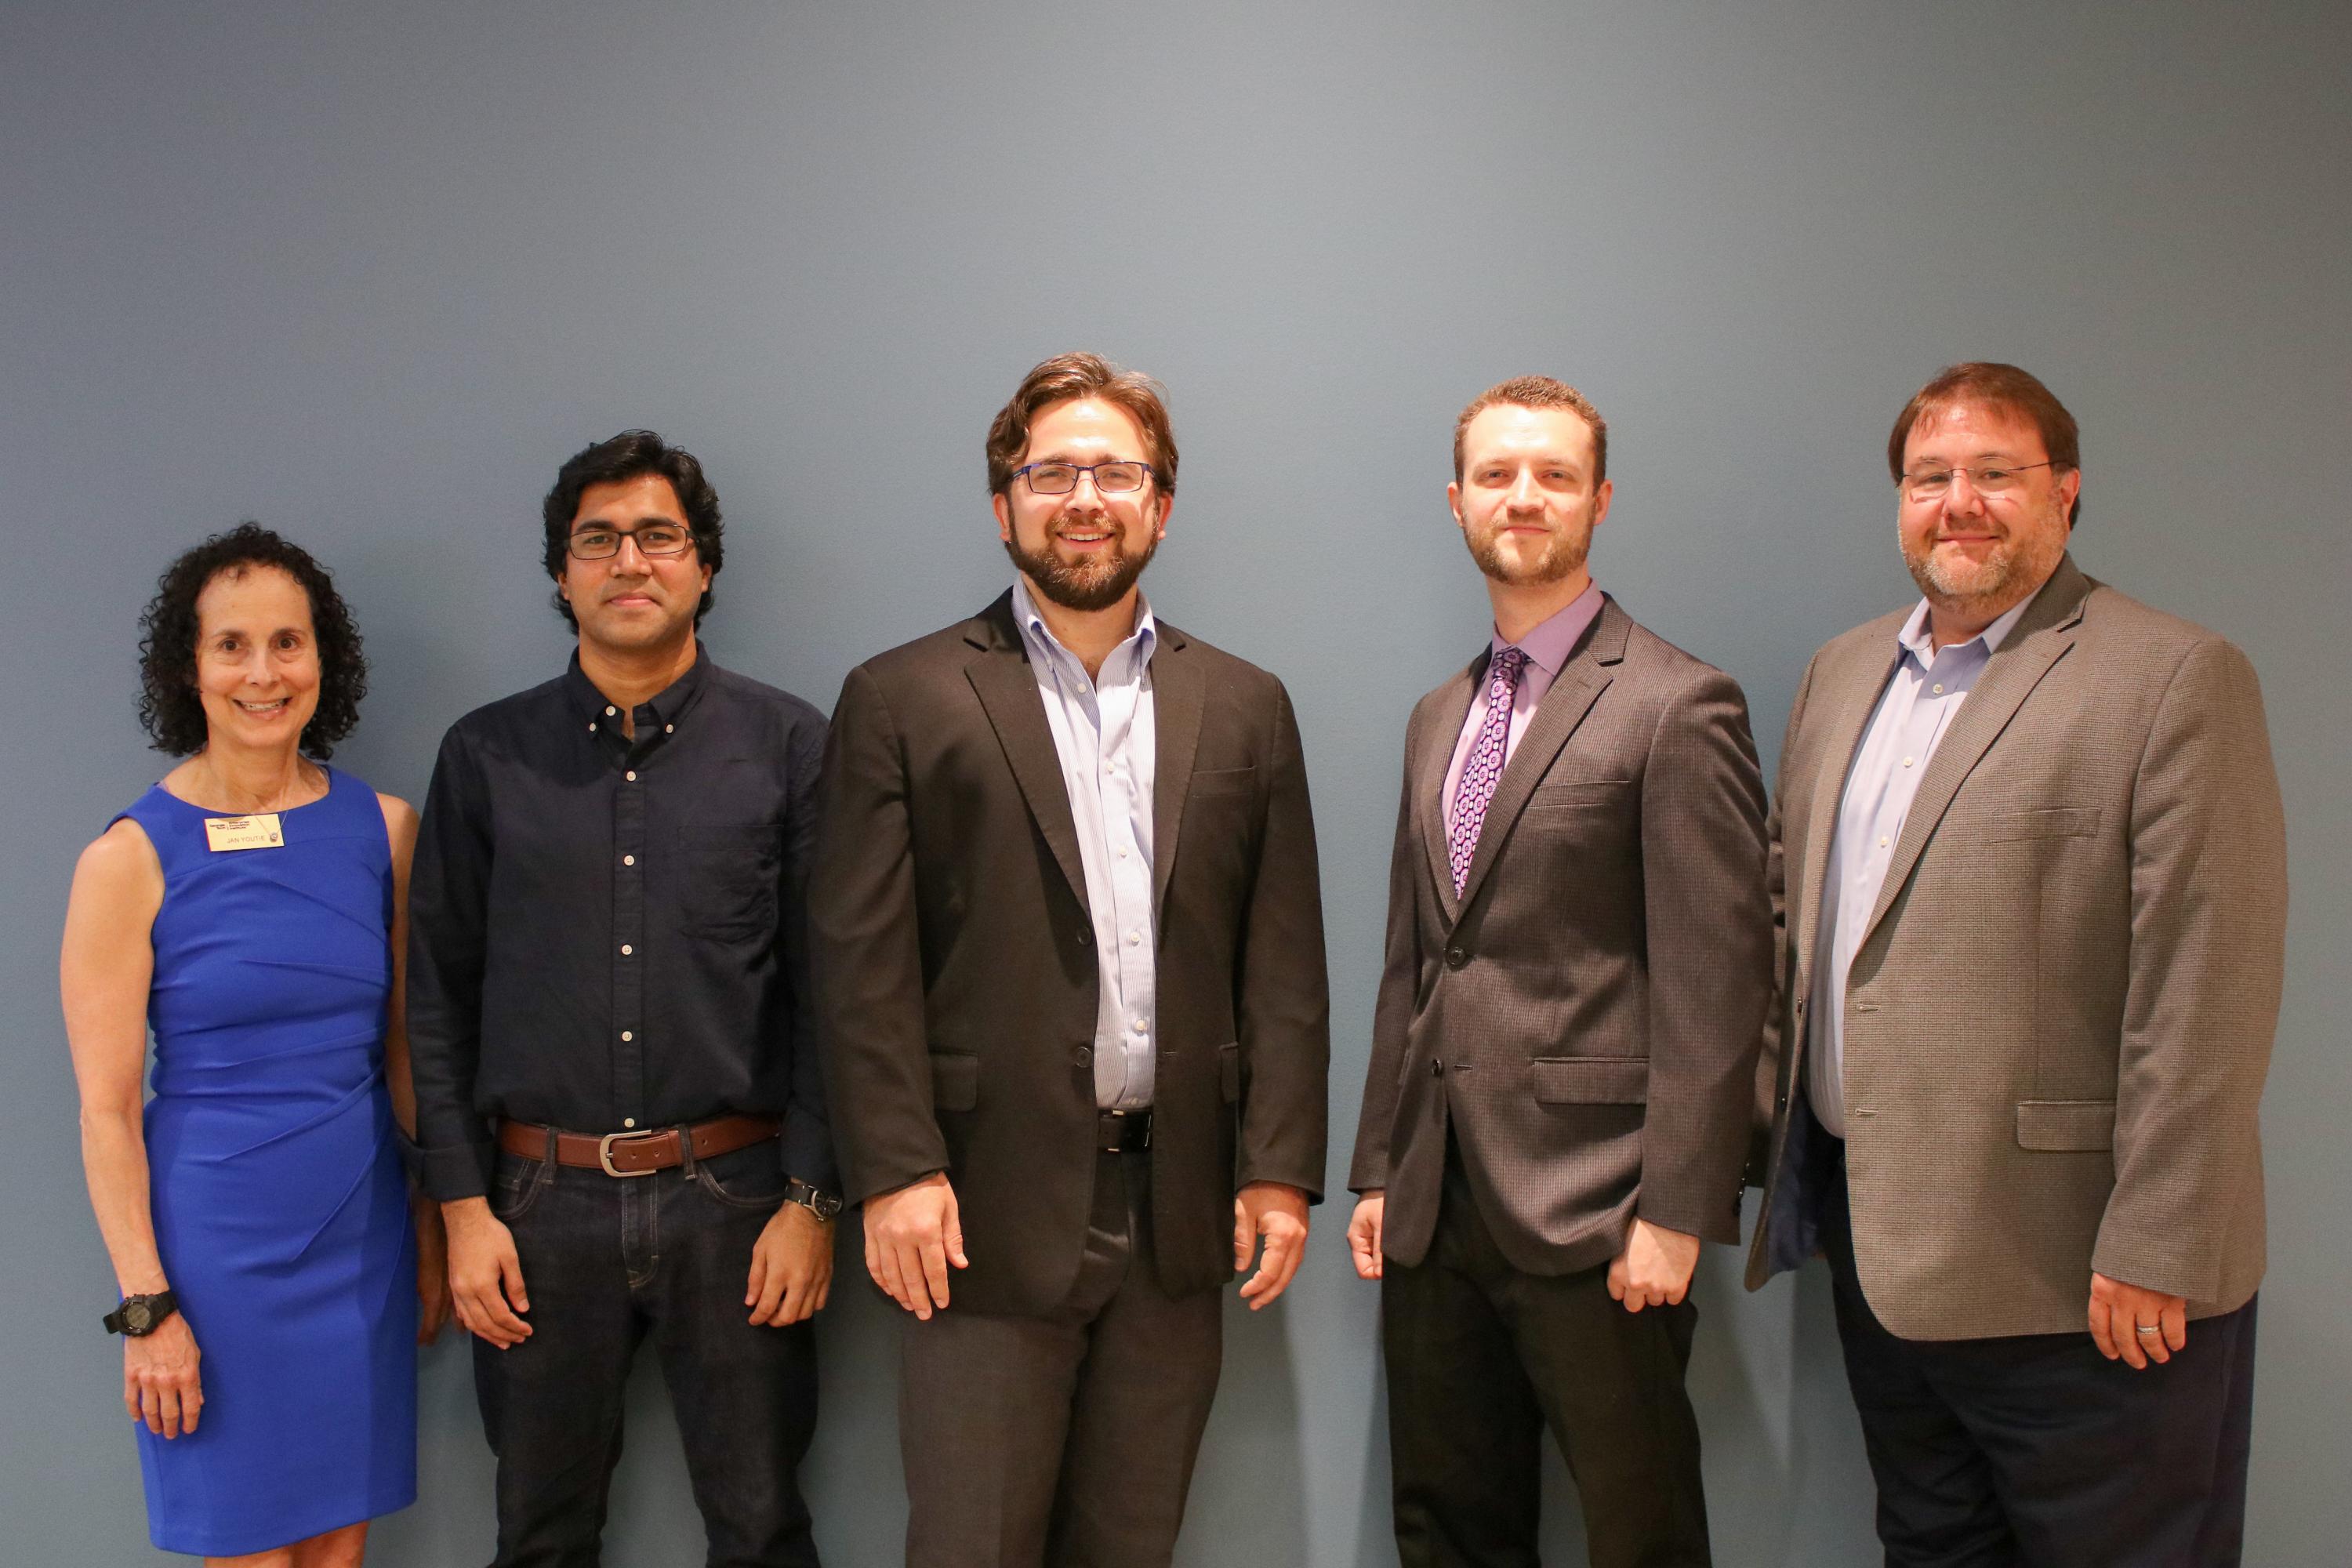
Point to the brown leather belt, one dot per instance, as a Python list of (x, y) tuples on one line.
[(638, 1153)]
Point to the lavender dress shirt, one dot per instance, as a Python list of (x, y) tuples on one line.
[(1547, 647)]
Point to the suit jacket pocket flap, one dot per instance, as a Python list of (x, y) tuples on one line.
[(955, 1082), (2073, 823), (1592, 1080), (2067, 1124), (1229, 1071)]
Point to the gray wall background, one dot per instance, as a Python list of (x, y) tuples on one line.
[(368, 274)]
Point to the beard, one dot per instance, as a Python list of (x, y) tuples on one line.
[(1563, 556), (2020, 562), (1083, 586)]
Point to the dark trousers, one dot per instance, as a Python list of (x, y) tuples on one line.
[(1482, 1357), (2035, 1452), (1066, 1438), (607, 1262)]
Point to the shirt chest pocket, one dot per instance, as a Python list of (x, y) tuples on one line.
[(727, 880)]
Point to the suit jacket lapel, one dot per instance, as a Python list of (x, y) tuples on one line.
[(1846, 703), (2041, 638), (1007, 687), (1437, 743), (1582, 681), (1177, 695)]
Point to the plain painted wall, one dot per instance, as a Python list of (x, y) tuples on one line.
[(369, 273)]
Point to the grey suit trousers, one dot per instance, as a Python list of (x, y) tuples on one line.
[(1066, 1439)]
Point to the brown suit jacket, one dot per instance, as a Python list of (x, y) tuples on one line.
[(1585, 1015), (956, 977), (2057, 1026)]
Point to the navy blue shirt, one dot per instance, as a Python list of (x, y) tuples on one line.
[(608, 934)]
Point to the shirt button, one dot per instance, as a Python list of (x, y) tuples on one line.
[(633, 773), (628, 1122), (610, 712), (592, 726), (1939, 688), (626, 950), (628, 859), (669, 729), (628, 1034), (1139, 1025), (1907, 763), (1133, 938), (1122, 854), (1882, 841)]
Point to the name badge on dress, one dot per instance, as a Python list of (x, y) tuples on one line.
[(244, 833)]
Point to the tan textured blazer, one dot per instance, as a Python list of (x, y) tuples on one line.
[(2058, 1023), (1586, 1014)]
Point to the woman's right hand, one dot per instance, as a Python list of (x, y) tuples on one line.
[(160, 1386)]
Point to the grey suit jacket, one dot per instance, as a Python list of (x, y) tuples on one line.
[(1585, 1015), (955, 974), (2059, 1020)]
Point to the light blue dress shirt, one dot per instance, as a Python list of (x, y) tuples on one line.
[(1915, 711), (1107, 739)]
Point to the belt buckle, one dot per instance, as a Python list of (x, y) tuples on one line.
[(604, 1151)]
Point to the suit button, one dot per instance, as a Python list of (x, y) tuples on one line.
[(1081, 1055), (1456, 957), (1780, 1102), (1437, 1068), (1086, 938)]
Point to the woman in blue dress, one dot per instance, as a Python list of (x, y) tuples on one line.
[(247, 910)]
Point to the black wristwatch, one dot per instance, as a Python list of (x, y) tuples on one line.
[(139, 1316), (816, 1200)]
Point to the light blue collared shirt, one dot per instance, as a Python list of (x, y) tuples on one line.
[(1107, 741), (1917, 706)]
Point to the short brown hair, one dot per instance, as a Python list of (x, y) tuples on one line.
[(1996, 385), (1537, 391), (1073, 375)]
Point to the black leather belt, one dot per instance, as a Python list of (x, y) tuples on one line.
[(1123, 1132)]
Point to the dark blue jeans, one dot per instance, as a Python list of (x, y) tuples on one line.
[(607, 1262)]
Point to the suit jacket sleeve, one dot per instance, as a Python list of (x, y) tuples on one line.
[(807, 1144), (1284, 1003), (1392, 1013), (2208, 942), (1709, 930), (866, 954), (1777, 1020), (448, 922)]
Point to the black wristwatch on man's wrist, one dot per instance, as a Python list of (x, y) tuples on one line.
[(139, 1316), (816, 1200)]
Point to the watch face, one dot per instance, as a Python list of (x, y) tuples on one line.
[(138, 1318)]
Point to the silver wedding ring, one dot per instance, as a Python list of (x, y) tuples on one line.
[(2151, 1328)]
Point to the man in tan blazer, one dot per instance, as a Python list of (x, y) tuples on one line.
[(1578, 968), (2030, 882)]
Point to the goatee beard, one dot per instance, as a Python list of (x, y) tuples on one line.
[(1082, 587)]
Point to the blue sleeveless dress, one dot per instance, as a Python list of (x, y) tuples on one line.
[(280, 1209)]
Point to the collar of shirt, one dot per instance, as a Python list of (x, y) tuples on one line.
[(1136, 648), (1549, 644), (1916, 641), (653, 716)]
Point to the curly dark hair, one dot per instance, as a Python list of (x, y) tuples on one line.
[(625, 457), (168, 704)]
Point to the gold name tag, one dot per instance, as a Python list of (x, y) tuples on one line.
[(243, 833)]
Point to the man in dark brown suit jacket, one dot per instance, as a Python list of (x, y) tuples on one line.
[(2029, 869), (1068, 947), (1578, 965)]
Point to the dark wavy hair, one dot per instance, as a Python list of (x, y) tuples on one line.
[(168, 704), (625, 457)]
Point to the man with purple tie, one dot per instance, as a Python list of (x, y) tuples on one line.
[(1578, 967)]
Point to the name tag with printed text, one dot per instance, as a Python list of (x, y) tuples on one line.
[(244, 833)]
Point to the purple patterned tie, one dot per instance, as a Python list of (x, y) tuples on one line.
[(1484, 766)]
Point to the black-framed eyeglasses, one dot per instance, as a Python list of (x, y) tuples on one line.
[(599, 544), (1935, 484), (1060, 478)]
